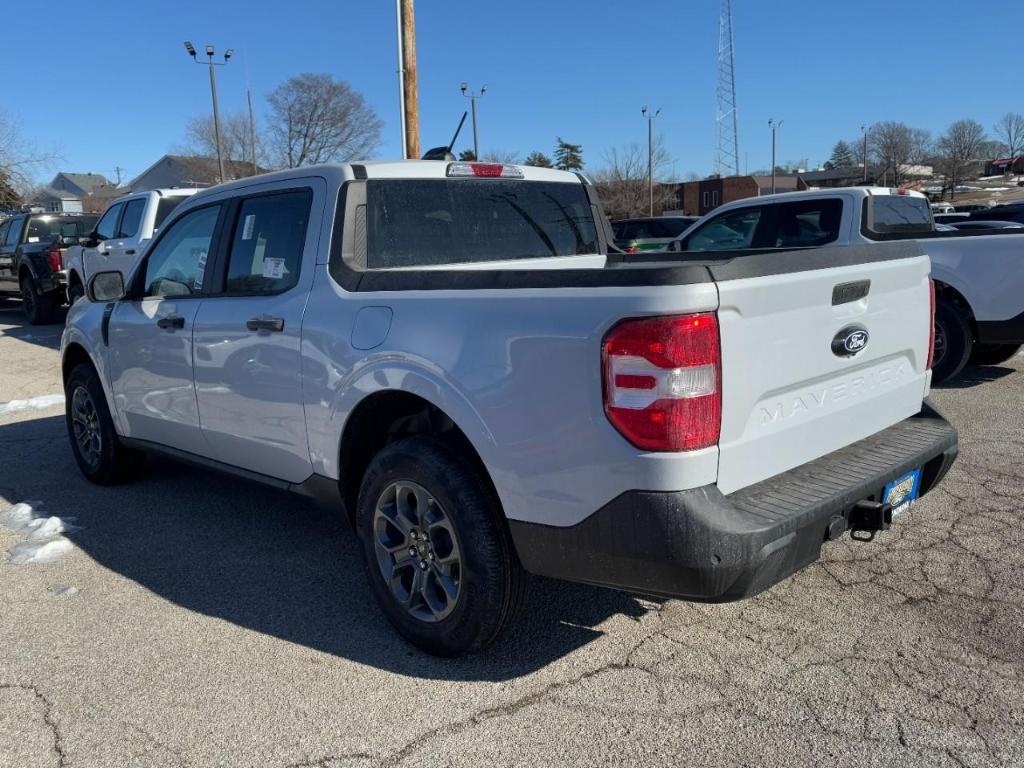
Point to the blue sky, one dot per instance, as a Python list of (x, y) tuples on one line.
[(114, 86)]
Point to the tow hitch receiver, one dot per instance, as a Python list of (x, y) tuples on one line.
[(867, 517)]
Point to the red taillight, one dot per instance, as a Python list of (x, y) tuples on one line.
[(662, 381), (53, 257), (931, 323)]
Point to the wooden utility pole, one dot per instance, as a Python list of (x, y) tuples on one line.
[(410, 100)]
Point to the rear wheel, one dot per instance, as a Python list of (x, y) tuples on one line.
[(438, 556), (953, 342), (98, 452), (39, 308), (993, 354)]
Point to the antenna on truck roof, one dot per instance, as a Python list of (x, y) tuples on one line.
[(445, 153)]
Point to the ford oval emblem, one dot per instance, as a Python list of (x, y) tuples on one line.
[(850, 340)]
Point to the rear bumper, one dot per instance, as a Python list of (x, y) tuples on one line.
[(701, 545)]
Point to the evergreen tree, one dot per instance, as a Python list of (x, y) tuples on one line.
[(538, 160), (568, 157), (467, 155), (842, 156)]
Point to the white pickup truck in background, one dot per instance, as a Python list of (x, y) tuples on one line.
[(979, 279), (120, 236)]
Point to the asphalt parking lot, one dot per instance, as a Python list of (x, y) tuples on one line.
[(199, 620)]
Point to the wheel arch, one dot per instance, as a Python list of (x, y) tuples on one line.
[(392, 414), (74, 355), (946, 292)]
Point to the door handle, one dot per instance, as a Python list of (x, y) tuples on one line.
[(275, 324), (172, 322), (130, 252)]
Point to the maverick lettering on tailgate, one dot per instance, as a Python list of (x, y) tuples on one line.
[(817, 399)]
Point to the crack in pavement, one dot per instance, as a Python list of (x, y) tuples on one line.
[(51, 723)]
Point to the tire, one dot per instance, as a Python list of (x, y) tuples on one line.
[(953, 342), (993, 354), (457, 584), (38, 307), (76, 291), (98, 452)]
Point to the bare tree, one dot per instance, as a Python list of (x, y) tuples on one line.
[(622, 182), (958, 147), (500, 156), (317, 119), (235, 139), (19, 158), (1010, 132), (893, 146)]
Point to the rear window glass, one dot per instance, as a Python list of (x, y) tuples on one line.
[(415, 223), (46, 228), (898, 214)]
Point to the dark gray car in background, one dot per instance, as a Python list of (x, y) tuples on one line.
[(32, 249)]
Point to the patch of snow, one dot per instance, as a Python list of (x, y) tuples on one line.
[(31, 404), (39, 551), (43, 540)]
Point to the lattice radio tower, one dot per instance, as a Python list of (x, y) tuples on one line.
[(727, 141)]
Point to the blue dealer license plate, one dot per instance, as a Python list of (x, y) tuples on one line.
[(902, 491)]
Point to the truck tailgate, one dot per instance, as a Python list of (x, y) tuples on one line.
[(787, 397)]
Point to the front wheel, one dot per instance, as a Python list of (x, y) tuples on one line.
[(438, 555), (953, 342), (993, 354), (100, 455), (76, 291)]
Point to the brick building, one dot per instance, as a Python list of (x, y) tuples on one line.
[(696, 198)]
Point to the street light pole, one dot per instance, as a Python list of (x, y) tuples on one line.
[(472, 98), (213, 95), (773, 125), (864, 130), (650, 156), (252, 133)]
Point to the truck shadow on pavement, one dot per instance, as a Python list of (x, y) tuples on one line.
[(975, 375), (18, 327), (273, 563)]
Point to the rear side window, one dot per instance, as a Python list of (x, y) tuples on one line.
[(808, 223), (266, 251), (732, 231), (897, 215), (132, 218), (428, 222)]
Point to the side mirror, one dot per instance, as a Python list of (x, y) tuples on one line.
[(106, 286), (675, 246)]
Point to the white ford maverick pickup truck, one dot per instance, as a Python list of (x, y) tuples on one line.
[(450, 353)]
